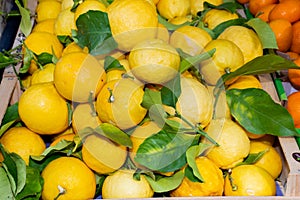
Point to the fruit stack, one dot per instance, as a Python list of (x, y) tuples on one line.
[(143, 98)]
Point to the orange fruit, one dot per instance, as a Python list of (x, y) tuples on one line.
[(288, 9), (282, 29), (256, 5), (295, 46), (294, 75), (264, 12), (293, 106), (293, 55)]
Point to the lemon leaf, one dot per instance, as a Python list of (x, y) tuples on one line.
[(260, 65), (264, 32), (25, 25), (169, 25), (162, 149), (33, 187), (165, 184), (256, 111), (41, 162), (111, 63), (5, 187), (253, 158), (171, 91), (222, 26), (114, 133), (94, 33)]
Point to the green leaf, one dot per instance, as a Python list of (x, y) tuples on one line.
[(6, 126), (165, 184), (6, 61), (21, 171), (162, 149), (44, 58), (256, 111), (63, 146), (25, 25), (264, 32), (41, 164), (170, 26), (171, 91), (260, 65), (11, 113), (94, 33), (5, 187), (27, 58), (191, 154), (230, 6), (252, 158), (34, 185), (189, 61), (111, 63), (114, 133), (222, 26), (151, 98)]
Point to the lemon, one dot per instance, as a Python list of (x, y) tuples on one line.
[(119, 103), (67, 137), (43, 110), (43, 42), (46, 74), (66, 4), (70, 175), (214, 17), (72, 47), (270, 161), (197, 5), (83, 116), (250, 180), (246, 39), (228, 57), (85, 6), (44, 26), (243, 82), (162, 33), (213, 181), (65, 23), (234, 146), (77, 75), (132, 21), (170, 9), (190, 39), (154, 61), (23, 142), (195, 102), (102, 155), (47, 10), (121, 184)]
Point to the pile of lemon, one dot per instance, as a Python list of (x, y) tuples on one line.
[(77, 81)]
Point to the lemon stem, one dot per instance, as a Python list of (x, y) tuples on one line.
[(197, 129), (233, 186), (61, 192), (91, 103)]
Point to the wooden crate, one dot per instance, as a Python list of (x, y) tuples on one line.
[(289, 179)]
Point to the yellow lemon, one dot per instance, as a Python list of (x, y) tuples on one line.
[(45, 26), (243, 82), (234, 146), (170, 9), (43, 75), (43, 42), (132, 21), (228, 57), (122, 184), (214, 17), (84, 116), (43, 110), (68, 178), (246, 39), (47, 10), (213, 181), (270, 161), (67, 137), (190, 39), (119, 103), (85, 6), (154, 61), (23, 142), (197, 5), (65, 23), (249, 180), (102, 155), (195, 102), (72, 47), (78, 75)]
